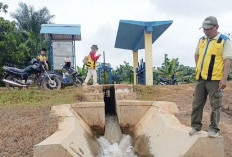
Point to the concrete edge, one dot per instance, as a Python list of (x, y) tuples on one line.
[(70, 140), (170, 133)]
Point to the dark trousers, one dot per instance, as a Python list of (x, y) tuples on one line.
[(203, 88)]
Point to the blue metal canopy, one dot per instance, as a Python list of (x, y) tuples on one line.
[(61, 31), (130, 34)]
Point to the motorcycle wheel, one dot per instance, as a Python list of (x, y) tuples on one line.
[(78, 81), (54, 83), (11, 87)]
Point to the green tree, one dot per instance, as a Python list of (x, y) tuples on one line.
[(156, 76), (169, 67), (12, 50), (29, 22), (125, 73), (185, 74), (3, 7), (82, 70)]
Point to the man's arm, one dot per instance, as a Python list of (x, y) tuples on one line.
[(93, 57), (226, 68), (196, 56)]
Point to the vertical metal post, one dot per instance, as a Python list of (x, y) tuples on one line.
[(99, 75), (73, 52), (51, 53), (110, 76), (104, 67)]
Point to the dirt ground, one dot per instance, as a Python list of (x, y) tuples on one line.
[(182, 95), (23, 127), (26, 118)]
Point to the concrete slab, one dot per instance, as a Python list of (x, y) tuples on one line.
[(167, 137), (93, 113), (74, 137)]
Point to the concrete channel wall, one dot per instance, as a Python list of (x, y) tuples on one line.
[(157, 132), (74, 137), (160, 133)]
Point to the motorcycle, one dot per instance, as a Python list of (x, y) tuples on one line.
[(34, 74), (164, 81), (69, 76)]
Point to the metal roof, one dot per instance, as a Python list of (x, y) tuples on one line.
[(130, 34), (61, 31)]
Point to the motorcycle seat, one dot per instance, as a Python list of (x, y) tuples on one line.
[(19, 72), (164, 80), (16, 70)]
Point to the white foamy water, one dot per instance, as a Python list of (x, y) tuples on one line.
[(122, 149), (114, 143), (113, 131)]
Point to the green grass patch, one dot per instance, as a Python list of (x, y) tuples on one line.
[(36, 97)]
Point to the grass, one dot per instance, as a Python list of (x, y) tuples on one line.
[(26, 118), (35, 97)]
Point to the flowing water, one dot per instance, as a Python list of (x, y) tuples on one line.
[(114, 143)]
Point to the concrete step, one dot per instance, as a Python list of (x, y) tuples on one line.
[(93, 97), (92, 89), (125, 96), (123, 88)]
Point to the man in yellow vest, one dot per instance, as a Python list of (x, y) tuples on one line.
[(42, 57), (91, 65), (212, 58)]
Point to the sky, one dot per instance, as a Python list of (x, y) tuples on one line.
[(99, 20)]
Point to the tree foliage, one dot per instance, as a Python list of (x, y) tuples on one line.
[(169, 67), (184, 74), (3, 7), (125, 73), (12, 50), (29, 23), (30, 20)]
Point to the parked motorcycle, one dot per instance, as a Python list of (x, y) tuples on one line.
[(69, 76), (34, 74), (164, 81)]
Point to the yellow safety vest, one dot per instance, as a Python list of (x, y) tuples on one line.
[(42, 58), (91, 64), (210, 62)]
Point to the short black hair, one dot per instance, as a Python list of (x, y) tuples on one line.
[(43, 49)]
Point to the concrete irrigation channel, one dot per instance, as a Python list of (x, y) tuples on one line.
[(154, 129)]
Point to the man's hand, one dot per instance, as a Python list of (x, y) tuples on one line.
[(226, 68), (222, 84), (99, 55), (196, 57)]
